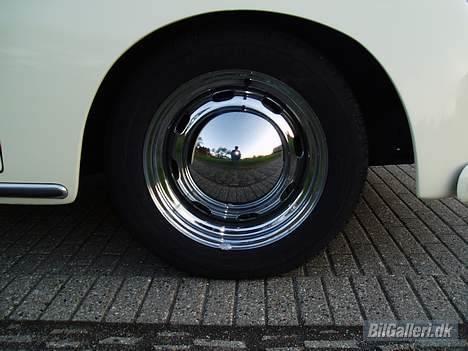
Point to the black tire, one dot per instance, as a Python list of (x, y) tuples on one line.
[(279, 55)]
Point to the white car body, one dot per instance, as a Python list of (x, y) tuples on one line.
[(54, 55)]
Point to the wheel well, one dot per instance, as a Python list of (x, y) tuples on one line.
[(384, 116)]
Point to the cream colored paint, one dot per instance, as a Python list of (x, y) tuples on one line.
[(55, 53)]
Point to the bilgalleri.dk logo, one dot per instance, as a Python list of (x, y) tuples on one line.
[(407, 330)]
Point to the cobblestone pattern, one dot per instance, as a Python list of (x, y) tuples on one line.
[(21, 336), (398, 257), (245, 183)]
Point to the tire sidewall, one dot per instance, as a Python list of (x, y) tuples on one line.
[(279, 56)]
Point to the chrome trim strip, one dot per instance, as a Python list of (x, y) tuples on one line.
[(31, 190), (462, 186), (1, 159)]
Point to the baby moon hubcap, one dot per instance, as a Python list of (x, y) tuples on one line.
[(235, 159)]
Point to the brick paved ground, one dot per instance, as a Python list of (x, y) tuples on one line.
[(248, 183), (62, 269)]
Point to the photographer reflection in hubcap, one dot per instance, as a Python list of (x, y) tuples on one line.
[(236, 154)]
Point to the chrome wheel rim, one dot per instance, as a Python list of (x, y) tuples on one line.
[(235, 160)]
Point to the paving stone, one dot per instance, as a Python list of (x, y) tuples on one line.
[(12, 295), (250, 303), (318, 271), (419, 208), (28, 233), (435, 223), (457, 291), (462, 231), (406, 241), (369, 259), (441, 344), (11, 217), (47, 244), (63, 344), (394, 202), (425, 265), (355, 233), (96, 303), (38, 299), (401, 176), (320, 260), (5, 279), (380, 208), (361, 206), (16, 339), (220, 344), (331, 344), (396, 347), (456, 245), (120, 340), (74, 269), (401, 210), (280, 338), (219, 308), (88, 225), (374, 228), (24, 243), (52, 264), (389, 180), (343, 303), (339, 245), (420, 231), (128, 300), (344, 265), (167, 347), (296, 272), (445, 259), (173, 334), (69, 331), (372, 299), (318, 265), (131, 262), (89, 251), (158, 301), (444, 212), (7, 261), (66, 249), (313, 304), (433, 299), (404, 303), (395, 260), (103, 265), (26, 264), (281, 302), (67, 300), (13, 326), (373, 178), (457, 207), (118, 244), (188, 307), (409, 169)]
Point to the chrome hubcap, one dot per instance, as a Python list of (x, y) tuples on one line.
[(237, 174), (235, 159)]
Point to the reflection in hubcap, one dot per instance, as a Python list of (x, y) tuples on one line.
[(237, 158)]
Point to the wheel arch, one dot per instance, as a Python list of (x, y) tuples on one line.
[(385, 118)]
